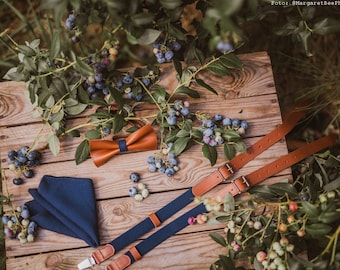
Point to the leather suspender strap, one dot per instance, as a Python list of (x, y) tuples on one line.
[(208, 183), (234, 187)]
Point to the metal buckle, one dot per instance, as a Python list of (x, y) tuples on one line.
[(87, 263), (230, 169), (244, 181)]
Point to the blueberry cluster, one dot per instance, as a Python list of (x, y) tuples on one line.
[(131, 88), (22, 161), (18, 225), (179, 109), (213, 129), (70, 25), (97, 84), (165, 50), (166, 163), (139, 192)]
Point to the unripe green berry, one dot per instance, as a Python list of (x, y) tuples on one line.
[(145, 193), (141, 186), (139, 197), (30, 238), (322, 198)]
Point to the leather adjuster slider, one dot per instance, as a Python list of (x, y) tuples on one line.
[(225, 172), (241, 184)]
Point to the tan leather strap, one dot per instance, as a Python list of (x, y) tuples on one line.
[(241, 184), (253, 151), (121, 263), (103, 253)]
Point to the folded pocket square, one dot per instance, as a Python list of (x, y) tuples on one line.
[(66, 205)]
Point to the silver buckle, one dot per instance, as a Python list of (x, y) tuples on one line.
[(89, 262), (230, 169), (245, 181)]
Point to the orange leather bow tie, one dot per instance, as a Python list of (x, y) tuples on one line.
[(143, 139)]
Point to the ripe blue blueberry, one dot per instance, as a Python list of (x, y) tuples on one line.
[(224, 46), (5, 219), (218, 117), (28, 173), (139, 96), (151, 159), (162, 169), (25, 213), (132, 191), (244, 124), (119, 84), (169, 55), (235, 122), (98, 77), (161, 60), (152, 167), (208, 132), (146, 81), (185, 111), (169, 172), (127, 79), (12, 154), (209, 123), (172, 120), (106, 130), (226, 121), (106, 91), (134, 177)]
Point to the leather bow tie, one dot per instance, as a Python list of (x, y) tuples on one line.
[(143, 139)]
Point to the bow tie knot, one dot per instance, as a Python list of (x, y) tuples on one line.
[(143, 139)]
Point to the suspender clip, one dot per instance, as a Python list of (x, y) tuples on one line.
[(89, 262)]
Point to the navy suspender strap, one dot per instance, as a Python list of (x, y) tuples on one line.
[(208, 183), (135, 253)]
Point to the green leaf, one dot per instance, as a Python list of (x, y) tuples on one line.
[(82, 151), (149, 36), (26, 50), (210, 153), (75, 109), (282, 189), (179, 145), (53, 143), (304, 37), (318, 229), (92, 134), (335, 184), (227, 263), (170, 4), (231, 135), (326, 26), (218, 239), (218, 69), (55, 45), (187, 91), (240, 147), (141, 19), (183, 133), (205, 85), (178, 66), (231, 61), (83, 68), (229, 151), (329, 217), (309, 209), (118, 123)]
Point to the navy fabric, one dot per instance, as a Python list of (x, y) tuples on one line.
[(122, 145), (66, 205), (167, 231), (146, 225)]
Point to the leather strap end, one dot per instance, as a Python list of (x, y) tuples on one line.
[(121, 263), (103, 253)]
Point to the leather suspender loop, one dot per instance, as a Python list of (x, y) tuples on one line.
[(155, 220)]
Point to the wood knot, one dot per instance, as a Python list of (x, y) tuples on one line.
[(117, 211), (53, 260)]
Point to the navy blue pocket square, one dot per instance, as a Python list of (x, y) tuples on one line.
[(66, 205)]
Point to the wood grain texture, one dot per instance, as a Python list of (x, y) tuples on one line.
[(249, 94)]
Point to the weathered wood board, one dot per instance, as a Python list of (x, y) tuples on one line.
[(249, 94)]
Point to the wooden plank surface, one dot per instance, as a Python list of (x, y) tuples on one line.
[(249, 95)]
